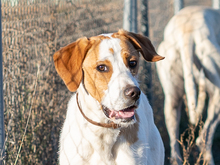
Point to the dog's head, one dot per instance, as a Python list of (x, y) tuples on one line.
[(108, 66)]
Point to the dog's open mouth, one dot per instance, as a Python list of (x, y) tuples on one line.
[(124, 114)]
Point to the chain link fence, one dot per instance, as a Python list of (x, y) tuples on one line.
[(32, 31), (35, 98)]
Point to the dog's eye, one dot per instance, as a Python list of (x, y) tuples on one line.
[(102, 68), (132, 64)]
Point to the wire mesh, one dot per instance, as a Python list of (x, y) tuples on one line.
[(32, 30)]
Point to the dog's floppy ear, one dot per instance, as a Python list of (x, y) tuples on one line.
[(68, 62), (143, 44)]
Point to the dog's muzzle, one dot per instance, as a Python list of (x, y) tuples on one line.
[(132, 95)]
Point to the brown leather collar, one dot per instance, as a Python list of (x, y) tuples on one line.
[(109, 125)]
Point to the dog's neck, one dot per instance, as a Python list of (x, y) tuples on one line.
[(102, 135), (87, 102)]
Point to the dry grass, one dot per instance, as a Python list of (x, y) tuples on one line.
[(35, 98), (187, 143)]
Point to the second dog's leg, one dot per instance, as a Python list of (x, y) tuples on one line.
[(172, 113), (205, 139)]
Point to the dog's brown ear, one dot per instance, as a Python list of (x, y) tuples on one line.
[(143, 44), (68, 62)]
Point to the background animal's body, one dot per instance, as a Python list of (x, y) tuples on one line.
[(103, 70), (191, 45)]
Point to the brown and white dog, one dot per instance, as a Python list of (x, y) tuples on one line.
[(191, 46), (109, 120)]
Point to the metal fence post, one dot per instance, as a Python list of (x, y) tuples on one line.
[(178, 5), (2, 130), (216, 4), (130, 15), (145, 70)]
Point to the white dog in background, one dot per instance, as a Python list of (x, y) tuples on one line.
[(191, 46), (109, 120)]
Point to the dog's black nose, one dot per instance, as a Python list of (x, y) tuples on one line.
[(132, 92)]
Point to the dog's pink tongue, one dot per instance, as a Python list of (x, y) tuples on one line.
[(126, 114), (122, 114)]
